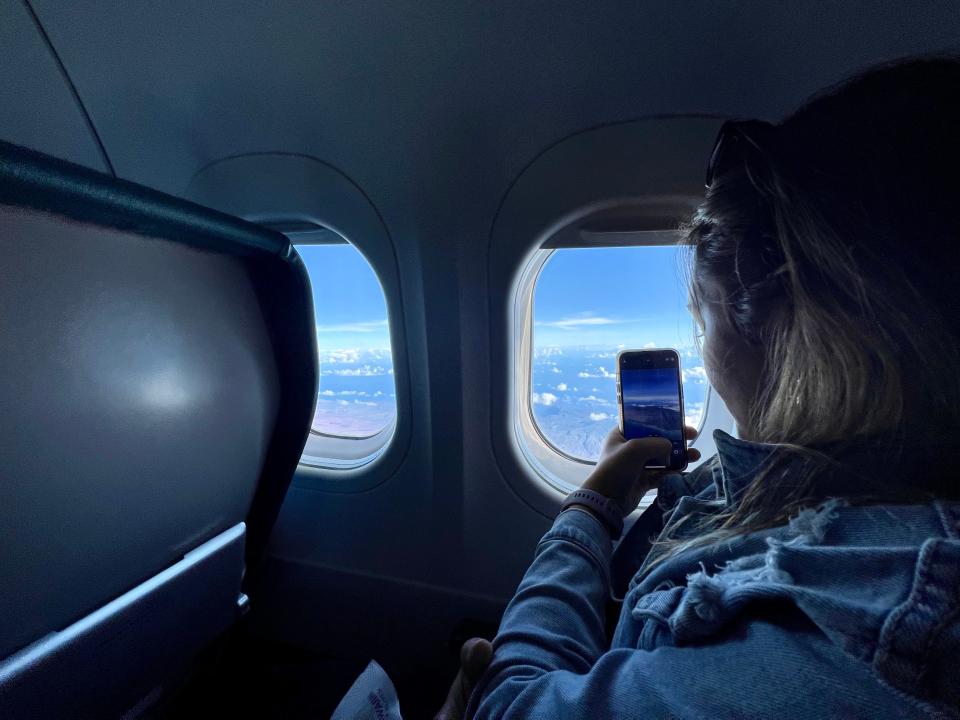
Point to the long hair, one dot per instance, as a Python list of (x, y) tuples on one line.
[(837, 247)]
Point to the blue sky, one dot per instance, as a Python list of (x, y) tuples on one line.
[(351, 311), (613, 297), (593, 296)]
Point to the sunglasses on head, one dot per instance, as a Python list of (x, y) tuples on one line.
[(736, 139)]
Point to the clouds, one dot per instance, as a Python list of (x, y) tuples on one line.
[(352, 356), (693, 413), (649, 345), (581, 320), (341, 356), (363, 371), (601, 373), (576, 413), (364, 326), (695, 374), (555, 370)]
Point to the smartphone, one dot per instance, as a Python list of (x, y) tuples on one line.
[(650, 397)]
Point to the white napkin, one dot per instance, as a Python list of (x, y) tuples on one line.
[(371, 697)]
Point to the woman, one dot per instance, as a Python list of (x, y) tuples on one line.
[(812, 567)]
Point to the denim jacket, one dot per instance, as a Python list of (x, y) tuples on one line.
[(849, 611)]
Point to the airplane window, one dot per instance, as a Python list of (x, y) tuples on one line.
[(357, 394), (589, 303)]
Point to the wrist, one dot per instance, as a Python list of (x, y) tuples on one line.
[(602, 508), (616, 502)]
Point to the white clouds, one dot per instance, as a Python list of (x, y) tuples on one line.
[(579, 321), (649, 346), (562, 387), (555, 369), (693, 414), (328, 392), (364, 326), (351, 356), (595, 400), (695, 374), (341, 356), (545, 352), (601, 373), (604, 355), (544, 398), (364, 402), (343, 402), (597, 417), (363, 371)]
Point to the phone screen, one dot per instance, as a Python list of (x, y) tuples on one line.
[(651, 399)]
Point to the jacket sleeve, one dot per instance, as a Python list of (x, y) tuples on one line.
[(555, 621)]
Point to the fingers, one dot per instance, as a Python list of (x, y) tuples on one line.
[(456, 701), (643, 451), (474, 657), (613, 440)]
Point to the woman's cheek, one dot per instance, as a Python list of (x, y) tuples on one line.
[(730, 373)]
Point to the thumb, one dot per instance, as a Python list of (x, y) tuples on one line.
[(475, 655)]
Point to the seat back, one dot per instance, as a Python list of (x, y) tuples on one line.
[(157, 380)]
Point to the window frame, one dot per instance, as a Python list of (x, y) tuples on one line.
[(558, 469), (302, 192), (653, 164), (342, 452)]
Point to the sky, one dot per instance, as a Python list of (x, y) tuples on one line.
[(348, 298), (630, 296), (588, 304)]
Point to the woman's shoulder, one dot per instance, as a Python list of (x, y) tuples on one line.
[(878, 582)]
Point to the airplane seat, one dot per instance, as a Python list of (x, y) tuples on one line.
[(157, 382)]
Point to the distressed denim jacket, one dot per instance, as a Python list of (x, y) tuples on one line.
[(848, 611)]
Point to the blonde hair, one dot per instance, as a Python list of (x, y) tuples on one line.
[(835, 250)]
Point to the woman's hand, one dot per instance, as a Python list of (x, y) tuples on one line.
[(474, 657), (621, 475)]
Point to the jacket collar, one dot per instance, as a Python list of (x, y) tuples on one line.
[(868, 469), (738, 462)]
